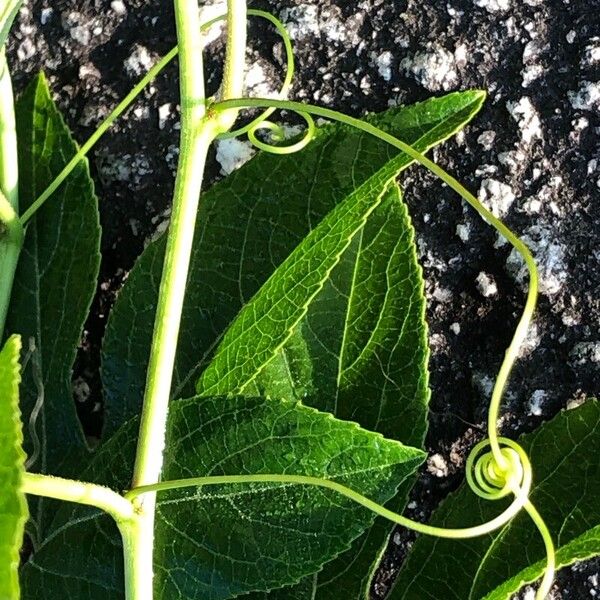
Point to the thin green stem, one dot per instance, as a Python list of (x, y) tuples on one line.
[(235, 59), (90, 494), (450, 533), (93, 139), (532, 293), (139, 88), (550, 570)]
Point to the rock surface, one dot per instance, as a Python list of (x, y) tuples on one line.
[(533, 151)]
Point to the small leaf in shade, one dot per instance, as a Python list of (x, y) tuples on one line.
[(13, 507), (564, 454), (214, 543), (54, 284)]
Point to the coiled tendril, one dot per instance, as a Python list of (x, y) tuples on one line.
[(496, 467), (487, 479)]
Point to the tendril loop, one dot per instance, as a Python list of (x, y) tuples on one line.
[(492, 481), (278, 135)]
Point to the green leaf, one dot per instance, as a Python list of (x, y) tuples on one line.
[(361, 353), (247, 226), (564, 455), (13, 507), (54, 283), (8, 12), (217, 542), (267, 322)]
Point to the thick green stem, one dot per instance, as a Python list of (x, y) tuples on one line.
[(80, 492), (197, 133), (11, 231), (11, 242), (196, 136), (9, 166)]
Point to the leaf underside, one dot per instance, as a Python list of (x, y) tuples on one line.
[(13, 507), (54, 285), (564, 454)]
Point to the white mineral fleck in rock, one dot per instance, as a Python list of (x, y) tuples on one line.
[(26, 49), (486, 139), (526, 116), (496, 196), (138, 62), (209, 11), (436, 465), (512, 159), (257, 82), (463, 231), (585, 352), (550, 256), (233, 153), (528, 594), (81, 34), (118, 7), (536, 402), (587, 97), (80, 389), (442, 294), (591, 54), (164, 112), (455, 328), (493, 5), (384, 64), (434, 69), (46, 15), (530, 74), (301, 21), (486, 285), (460, 55), (483, 383)]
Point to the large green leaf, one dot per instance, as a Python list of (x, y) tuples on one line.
[(216, 542), (247, 226), (54, 283), (361, 353), (13, 507), (564, 454)]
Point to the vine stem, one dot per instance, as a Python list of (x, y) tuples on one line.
[(198, 130), (512, 352), (450, 533)]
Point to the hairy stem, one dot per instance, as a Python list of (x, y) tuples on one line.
[(80, 492), (197, 133)]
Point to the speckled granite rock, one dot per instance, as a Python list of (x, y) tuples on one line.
[(533, 155)]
